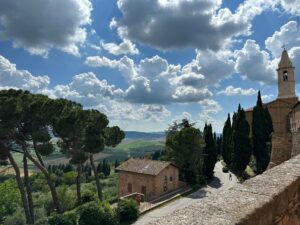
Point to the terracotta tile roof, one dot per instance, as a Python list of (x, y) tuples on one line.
[(144, 166)]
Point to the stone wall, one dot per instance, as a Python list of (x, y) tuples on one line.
[(281, 148), (272, 198), (296, 143)]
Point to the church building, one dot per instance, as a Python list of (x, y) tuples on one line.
[(285, 114)]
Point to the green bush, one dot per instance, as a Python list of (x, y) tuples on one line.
[(87, 196), (10, 198), (63, 219), (128, 210), (17, 218), (96, 213), (69, 178), (43, 221), (66, 197)]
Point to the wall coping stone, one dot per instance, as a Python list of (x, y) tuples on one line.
[(270, 198)]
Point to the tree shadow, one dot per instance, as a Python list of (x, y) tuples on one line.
[(215, 183)]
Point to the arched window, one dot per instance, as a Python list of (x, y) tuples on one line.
[(285, 75)]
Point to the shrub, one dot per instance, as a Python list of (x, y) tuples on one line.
[(43, 221), (128, 210), (66, 197), (63, 219), (96, 213), (87, 196), (69, 178), (17, 218), (10, 198)]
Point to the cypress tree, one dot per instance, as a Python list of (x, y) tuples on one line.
[(226, 141), (261, 131), (241, 147), (210, 150)]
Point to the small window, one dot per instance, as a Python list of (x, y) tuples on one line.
[(285, 75), (165, 188), (171, 179), (166, 178), (129, 187)]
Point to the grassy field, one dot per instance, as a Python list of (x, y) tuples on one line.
[(128, 148)]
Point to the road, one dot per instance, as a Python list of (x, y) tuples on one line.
[(220, 182)]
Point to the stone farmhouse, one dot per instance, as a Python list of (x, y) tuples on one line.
[(285, 114), (149, 177)]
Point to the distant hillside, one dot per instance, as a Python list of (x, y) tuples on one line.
[(144, 135)]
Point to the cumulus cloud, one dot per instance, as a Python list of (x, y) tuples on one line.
[(291, 6), (288, 35), (11, 77), (154, 80), (231, 91), (255, 64), (210, 106), (38, 26), (87, 89), (98, 61), (124, 48), (167, 25)]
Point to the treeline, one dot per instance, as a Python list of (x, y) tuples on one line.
[(194, 152), (238, 145), (27, 123)]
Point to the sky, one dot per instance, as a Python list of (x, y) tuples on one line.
[(148, 63)]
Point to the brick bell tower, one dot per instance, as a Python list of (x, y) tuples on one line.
[(286, 77)]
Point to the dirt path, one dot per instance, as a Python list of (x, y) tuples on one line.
[(220, 182)]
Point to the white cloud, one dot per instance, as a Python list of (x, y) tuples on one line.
[(11, 77), (38, 26), (255, 64), (291, 6), (288, 35), (267, 97), (167, 25), (87, 89), (154, 80), (210, 106), (231, 91), (97, 61), (124, 48)]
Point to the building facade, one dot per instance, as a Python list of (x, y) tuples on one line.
[(149, 177), (285, 113)]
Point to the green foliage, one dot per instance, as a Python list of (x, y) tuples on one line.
[(227, 141), (184, 146), (261, 131), (113, 136), (17, 218), (63, 219), (69, 178), (210, 151), (45, 149), (96, 213), (9, 198), (128, 210), (66, 197), (88, 196), (241, 142)]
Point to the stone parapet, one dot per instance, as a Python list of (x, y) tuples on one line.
[(281, 148), (272, 198), (296, 143)]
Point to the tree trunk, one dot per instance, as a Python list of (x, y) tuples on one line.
[(28, 188), (78, 182), (21, 188), (49, 181), (38, 155), (97, 179)]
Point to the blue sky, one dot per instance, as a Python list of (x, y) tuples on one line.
[(147, 63)]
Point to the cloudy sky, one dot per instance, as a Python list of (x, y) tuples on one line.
[(146, 63)]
